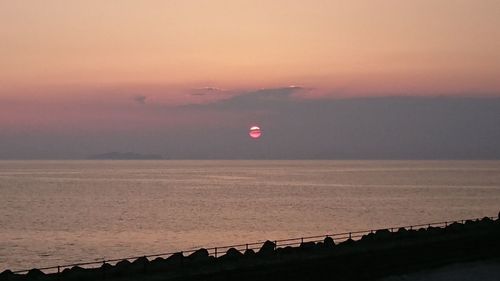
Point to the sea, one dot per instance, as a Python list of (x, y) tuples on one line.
[(60, 212)]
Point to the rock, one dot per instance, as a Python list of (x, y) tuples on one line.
[(232, 253), (158, 261), (158, 264), (486, 220), (140, 265), (106, 267), (347, 242), (287, 251), (307, 246), (74, 273), (249, 253), (454, 227), (105, 270), (66, 271), (123, 264), (382, 234), (469, 223), (35, 274), (434, 230), (328, 242), (368, 237), (175, 260), (121, 268), (267, 248), (6, 275), (141, 261), (199, 255)]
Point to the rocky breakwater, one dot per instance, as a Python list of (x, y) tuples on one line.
[(374, 255)]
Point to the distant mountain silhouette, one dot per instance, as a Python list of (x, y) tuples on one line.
[(125, 156)]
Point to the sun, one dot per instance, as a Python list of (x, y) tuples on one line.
[(255, 132)]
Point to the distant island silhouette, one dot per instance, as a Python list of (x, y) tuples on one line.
[(124, 156)]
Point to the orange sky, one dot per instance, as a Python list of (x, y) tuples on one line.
[(362, 47), (83, 77)]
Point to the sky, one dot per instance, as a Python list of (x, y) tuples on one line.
[(187, 79)]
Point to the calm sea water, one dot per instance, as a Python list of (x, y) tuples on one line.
[(54, 212)]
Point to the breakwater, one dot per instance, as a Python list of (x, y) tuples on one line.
[(363, 255)]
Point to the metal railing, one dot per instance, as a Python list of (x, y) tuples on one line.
[(217, 251)]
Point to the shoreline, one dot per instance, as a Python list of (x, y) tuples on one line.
[(380, 253)]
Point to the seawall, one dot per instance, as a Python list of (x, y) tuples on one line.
[(373, 256)]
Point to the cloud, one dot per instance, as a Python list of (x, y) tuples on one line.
[(352, 128), (205, 91), (254, 100), (297, 124), (140, 99)]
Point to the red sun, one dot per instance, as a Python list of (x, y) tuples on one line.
[(255, 132)]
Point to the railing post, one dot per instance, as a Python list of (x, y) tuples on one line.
[(58, 269), (215, 251), (301, 240)]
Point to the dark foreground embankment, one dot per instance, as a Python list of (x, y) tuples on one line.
[(374, 256)]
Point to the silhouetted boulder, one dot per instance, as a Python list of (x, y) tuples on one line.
[(158, 260), (401, 233), (158, 264), (382, 234), (434, 230), (249, 253), (121, 268), (104, 271), (328, 242), (106, 266), (486, 221), (6, 275), (123, 264), (287, 251), (35, 274), (139, 265), (175, 260), (231, 254), (469, 223), (454, 227), (199, 255), (370, 237), (75, 273), (347, 242), (307, 246), (267, 248), (141, 261)]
